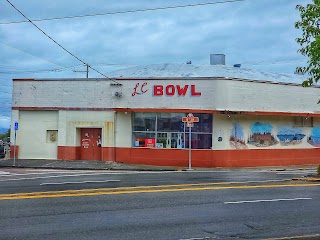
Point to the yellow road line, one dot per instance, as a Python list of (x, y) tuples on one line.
[(134, 190), (138, 187)]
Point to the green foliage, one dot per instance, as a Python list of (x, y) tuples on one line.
[(5, 135), (310, 41)]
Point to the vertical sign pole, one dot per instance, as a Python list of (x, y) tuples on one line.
[(14, 150), (184, 135), (16, 124), (189, 148), (190, 119)]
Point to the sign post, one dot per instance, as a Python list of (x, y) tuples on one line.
[(190, 119), (16, 127)]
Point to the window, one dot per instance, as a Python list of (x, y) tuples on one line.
[(144, 122), (166, 130)]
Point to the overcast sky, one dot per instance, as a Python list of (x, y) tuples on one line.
[(259, 34)]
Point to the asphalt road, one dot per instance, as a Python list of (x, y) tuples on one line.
[(26, 180), (200, 205)]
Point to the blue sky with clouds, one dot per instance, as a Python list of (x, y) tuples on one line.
[(259, 34)]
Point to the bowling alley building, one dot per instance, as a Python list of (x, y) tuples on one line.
[(246, 118)]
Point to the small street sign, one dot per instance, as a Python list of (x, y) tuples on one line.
[(16, 126), (190, 119)]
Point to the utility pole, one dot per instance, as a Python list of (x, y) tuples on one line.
[(87, 70)]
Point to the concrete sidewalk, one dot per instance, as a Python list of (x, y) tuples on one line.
[(108, 165), (78, 165)]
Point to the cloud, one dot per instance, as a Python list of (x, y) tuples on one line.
[(4, 122), (248, 32)]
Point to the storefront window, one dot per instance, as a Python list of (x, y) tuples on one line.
[(166, 130), (144, 139), (199, 141), (144, 122), (170, 122)]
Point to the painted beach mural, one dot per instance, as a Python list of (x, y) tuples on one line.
[(237, 140), (290, 136), (314, 138), (261, 135)]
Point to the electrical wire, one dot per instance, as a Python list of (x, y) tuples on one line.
[(25, 52), (273, 62), (13, 70), (28, 53), (124, 12), (66, 50)]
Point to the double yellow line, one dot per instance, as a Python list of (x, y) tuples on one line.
[(145, 189)]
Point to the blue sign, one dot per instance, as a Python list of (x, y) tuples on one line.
[(16, 126)]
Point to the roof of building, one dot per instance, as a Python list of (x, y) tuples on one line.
[(191, 70)]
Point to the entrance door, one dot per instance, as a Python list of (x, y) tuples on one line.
[(91, 143)]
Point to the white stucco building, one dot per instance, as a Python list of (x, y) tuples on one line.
[(246, 118)]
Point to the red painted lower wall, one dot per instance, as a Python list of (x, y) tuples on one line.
[(219, 158), (108, 153), (74, 153), (68, 153), (201, 158), (12, 151)]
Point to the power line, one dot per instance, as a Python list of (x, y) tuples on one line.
[(123, 12), (58, 43), (14, 70), (289, 61), (25, 52), (28, 53)]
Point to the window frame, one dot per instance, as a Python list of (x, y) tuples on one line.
[(184, 132)]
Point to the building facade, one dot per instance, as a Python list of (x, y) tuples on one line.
[(138, 120)]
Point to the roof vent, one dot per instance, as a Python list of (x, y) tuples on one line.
[(237, 65), (217, 59)]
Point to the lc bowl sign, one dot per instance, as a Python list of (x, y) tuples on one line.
[(159, 90)]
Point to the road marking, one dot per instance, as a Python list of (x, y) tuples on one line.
[(70, 175), (54, 176), (135, 190), (294, 237), (297, 172), (203, 238), (268, 200), (62, 183), (51, 172)]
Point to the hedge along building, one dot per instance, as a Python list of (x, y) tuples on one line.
[(246, 118)]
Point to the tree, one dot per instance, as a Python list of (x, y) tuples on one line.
[(310, 41), (5, 135)]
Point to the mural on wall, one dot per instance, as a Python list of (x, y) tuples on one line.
[(314, 138), (237, 140), (290, 136), (261, 135)]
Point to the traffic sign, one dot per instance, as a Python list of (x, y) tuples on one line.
[(190, 119), (16, 126)]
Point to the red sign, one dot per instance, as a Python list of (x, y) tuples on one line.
[(167, 90), (140, 89), (150, 142), (190, 119), (171, 90)]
